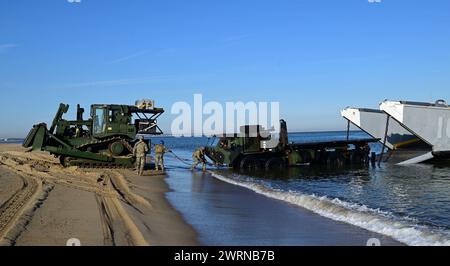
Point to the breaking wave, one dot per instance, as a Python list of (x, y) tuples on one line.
[(403, 230)]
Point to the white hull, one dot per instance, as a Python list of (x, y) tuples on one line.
[(429, 122), (373, 122), (405, 146)]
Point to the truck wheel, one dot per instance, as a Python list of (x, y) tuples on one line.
[(250, 163), (218, 157), (275, 163)]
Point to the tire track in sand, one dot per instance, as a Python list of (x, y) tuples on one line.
[(118, 226), (10, 209), (110, 189)]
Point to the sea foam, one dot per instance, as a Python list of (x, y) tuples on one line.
[(402, 230)]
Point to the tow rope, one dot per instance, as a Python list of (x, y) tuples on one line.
[(182, 160)]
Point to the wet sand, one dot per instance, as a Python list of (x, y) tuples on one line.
[(42, 203)]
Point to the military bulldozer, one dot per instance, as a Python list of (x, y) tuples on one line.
[(105, 140), (256, 148)]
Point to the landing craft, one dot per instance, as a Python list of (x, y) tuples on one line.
[(412, 132), (401, 145), (430, 122)]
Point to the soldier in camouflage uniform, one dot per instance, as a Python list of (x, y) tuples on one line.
[(199, 157), (139, 151), (160, 150)]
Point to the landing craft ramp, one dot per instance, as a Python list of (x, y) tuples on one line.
[(373, 122), (403, 145), (429, 122)]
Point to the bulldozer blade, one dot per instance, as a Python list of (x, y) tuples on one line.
[(35, 138)]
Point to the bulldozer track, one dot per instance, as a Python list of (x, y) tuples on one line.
[(92, 164), (99, 165), (105, 141)]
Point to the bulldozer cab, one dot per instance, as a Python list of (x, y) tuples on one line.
[(99, 120), (118, 119), (111, 119)]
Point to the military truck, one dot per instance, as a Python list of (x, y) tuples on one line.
[(257, 148), (105, 139)]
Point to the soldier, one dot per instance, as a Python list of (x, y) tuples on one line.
[(199, 157), (366, 153), (139, 151), (160, 150)]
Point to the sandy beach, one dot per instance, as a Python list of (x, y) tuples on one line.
[(43, 203)]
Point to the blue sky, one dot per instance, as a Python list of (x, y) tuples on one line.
[(315, 56)]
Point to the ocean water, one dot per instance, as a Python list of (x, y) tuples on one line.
[(410, 204), (11, 141)]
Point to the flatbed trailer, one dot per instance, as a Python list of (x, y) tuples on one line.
[(264, 151), (334, 143)]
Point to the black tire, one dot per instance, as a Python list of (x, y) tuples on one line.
[(275, 163), (250, 163), (217, 157)]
